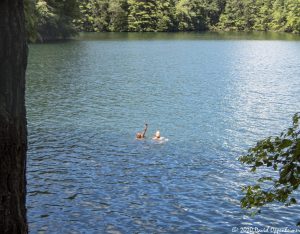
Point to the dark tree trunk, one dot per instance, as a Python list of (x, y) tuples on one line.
[(13, 132)]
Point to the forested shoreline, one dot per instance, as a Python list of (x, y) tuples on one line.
[(53, 19)]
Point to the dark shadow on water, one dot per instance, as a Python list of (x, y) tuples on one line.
[(187, 36)]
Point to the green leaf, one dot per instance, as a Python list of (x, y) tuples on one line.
[(285, 143), (280, 154), (258, 164), (293, 201)]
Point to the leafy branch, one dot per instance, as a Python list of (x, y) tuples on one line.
[(280, 154)]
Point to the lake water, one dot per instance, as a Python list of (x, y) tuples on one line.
[(211, 95)]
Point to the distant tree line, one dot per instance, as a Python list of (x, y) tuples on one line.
[(51, 19)]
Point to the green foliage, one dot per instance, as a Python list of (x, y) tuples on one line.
[(239, 15), (100, 15), (293, 16), (166, 16), (195, 15), (262, 15), (183, 15), (30, 20), (149, 16), (118, 13), (86, 20), (52, 19), (279, 15), (231, 18), (142, 15), (103, 15), (280, 154)]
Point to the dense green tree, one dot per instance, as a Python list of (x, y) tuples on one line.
[(47, 23), (293, 16), (142, 15), (264, 15), (214, 8), (250, 13), (166, 14), (30, 19), (278, 15), (183, 15), (118, 13), (85, 20), (55, 18), (197, 15), (103, 15), (280, 154), (240, 15), (100, 14), (232, 18), (50, 19)]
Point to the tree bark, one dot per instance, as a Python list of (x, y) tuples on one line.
[(13, 130)]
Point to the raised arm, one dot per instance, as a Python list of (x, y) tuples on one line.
[(145, 130)]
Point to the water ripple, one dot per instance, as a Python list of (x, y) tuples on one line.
[(86, 99)]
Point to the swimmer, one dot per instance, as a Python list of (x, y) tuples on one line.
[(156, 136), (140, 135)]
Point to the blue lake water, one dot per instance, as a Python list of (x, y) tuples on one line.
[(212, 97)]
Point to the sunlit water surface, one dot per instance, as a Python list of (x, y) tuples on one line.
[(210, 97)]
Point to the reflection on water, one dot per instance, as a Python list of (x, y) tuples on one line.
[(188, 36), (211, 98)]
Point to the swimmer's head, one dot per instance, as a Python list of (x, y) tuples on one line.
[(139, 135), (157, 134)]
